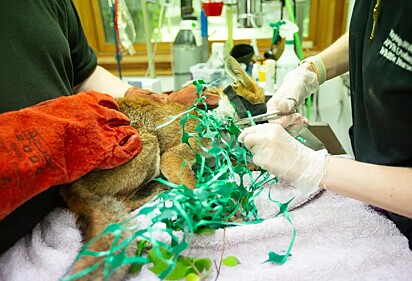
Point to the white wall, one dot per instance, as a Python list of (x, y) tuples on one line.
[(334, 109)]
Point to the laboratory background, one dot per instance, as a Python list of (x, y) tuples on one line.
[(161, 178), (150, 54)]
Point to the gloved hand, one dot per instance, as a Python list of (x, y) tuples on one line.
[(297, 85), (58, 141), (144, 93), (280, 154), (186, 96)]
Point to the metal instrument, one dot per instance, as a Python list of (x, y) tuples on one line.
[(262, 117)]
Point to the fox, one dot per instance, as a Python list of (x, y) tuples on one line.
[(109, 196)]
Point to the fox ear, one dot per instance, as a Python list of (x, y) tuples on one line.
[(237, 73), (242, 83)]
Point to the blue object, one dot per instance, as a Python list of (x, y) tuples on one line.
[(137, 84), (203, 24)]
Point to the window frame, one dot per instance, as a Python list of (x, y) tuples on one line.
[(321, 35)]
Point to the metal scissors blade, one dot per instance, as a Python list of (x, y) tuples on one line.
[(262, 117)]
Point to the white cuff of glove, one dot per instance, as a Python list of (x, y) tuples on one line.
[(309, 180), (318, 66)]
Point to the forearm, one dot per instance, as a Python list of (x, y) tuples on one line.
[(103, 81), (386, 187), (335, 58)]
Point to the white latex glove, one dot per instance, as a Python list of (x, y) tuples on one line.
[(297, 85), (280, 154)]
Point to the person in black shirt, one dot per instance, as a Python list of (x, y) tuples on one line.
[(377, 51), (44, 55)]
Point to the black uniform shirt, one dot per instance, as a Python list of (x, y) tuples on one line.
[(381, 87), (381, 82), (43, 54)]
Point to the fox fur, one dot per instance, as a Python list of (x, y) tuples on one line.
[(108, 196)]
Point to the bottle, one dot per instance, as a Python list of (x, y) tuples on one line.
[(288, 60), (253, 43), (262, 72), (270, 77), (255, 73), (217, 58), (186, 53)]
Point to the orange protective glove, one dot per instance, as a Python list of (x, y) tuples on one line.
[(144, 93), (58, 141), (186, 96)]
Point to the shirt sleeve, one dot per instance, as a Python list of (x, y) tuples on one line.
[(83, 57)]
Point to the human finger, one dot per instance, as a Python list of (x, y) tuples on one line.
[(289, 121), (247, 131), (299, 122)]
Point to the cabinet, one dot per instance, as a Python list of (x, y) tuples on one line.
[(327, 21)]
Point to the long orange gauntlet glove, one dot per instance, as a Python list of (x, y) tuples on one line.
[(58, 141)]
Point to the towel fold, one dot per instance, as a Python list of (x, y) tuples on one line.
[(46, 253)]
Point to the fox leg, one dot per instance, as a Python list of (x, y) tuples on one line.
[(97, 200), (93, 218), (171, 165)]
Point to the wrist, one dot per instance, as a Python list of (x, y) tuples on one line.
[(310, 170), (307, 66), (322, 182), (316, 65)]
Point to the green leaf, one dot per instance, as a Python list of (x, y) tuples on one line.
[(141, 245), (159, 265), (192, 277), (179, 271), (205, 230), (136, 268), (203, 264), (182, 267), (230, 261)]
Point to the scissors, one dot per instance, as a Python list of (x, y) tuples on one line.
[(263, 117)]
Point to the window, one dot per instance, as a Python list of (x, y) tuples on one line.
[(325, 23)]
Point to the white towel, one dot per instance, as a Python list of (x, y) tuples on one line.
[(46, 253), (337, 239)]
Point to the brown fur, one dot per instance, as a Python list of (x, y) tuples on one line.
[(108, 196)]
